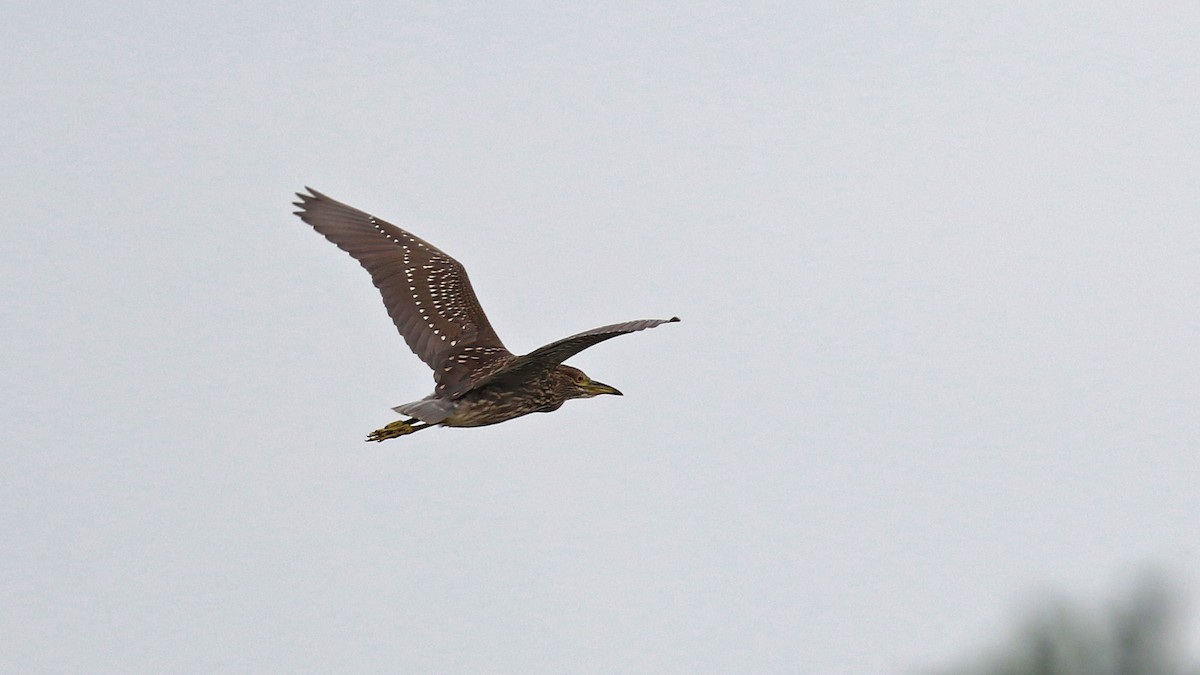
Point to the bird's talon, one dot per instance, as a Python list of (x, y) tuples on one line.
[(393, 430)]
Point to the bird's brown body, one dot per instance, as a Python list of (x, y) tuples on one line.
[(430, 299), (494, 403)]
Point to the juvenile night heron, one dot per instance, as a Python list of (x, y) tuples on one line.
[(429, 298)]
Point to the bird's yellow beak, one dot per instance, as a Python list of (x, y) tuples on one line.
[(595, 388)]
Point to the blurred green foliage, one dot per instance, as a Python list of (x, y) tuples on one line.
[(1138, 634)]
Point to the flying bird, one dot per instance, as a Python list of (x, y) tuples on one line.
[(427, 294)]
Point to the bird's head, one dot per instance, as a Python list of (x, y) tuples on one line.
[(574, 383)]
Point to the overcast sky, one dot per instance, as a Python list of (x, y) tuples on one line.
[(937, 264)]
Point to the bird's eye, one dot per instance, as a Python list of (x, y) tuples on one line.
[(580, 379)]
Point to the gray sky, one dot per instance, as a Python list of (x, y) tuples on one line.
[(937, 265)]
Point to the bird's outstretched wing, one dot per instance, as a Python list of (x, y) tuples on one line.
[(550, 356), (426, 292)]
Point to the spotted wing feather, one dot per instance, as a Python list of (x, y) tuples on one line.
[(426, 292)]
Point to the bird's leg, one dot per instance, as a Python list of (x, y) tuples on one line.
[(397, 429)]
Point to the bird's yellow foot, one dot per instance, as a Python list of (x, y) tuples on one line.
[(394, 430)]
